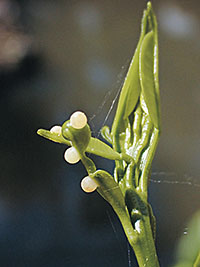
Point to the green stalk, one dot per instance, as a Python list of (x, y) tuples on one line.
[(144, 249), (197, 261), (144, 244)]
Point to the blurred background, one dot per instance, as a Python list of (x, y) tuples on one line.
[(57, 57)]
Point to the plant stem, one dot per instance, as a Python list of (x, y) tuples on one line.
[(144, 249), (142, 242), (197, 261), (141, 237)]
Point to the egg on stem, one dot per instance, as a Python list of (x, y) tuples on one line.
[(88, 184), (71, 155), (56, 130), (78, 120)]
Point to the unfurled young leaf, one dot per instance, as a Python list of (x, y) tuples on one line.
[(141, 83), (95, 146), (105, 132), (99, 148), (146, 66), (112, 193), (53, 137)]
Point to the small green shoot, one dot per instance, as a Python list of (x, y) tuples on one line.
[(133, 138)]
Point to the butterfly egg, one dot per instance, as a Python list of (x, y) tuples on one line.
[(71, 155), (88, 184), (78, 120), (56, 129)]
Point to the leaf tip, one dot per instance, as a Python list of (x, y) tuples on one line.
[(149, 5), (40, 131)]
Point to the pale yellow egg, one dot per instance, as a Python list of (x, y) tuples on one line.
[(71, 155), (88, 184), (56, 129), (78, 120)]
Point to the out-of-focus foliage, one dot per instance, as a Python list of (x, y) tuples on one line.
[(15, 43), (188, 250)]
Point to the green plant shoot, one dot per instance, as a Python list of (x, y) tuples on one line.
[(133, 138)]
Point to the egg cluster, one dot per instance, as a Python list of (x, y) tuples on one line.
[(78, 120)]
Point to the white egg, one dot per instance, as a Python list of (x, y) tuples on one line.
[(138, 226), (56, 129), (88, 184), (78, 120), (71, 155)]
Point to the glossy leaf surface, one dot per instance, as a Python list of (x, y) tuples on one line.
[(53, 137), (101, 149), (140, 87), (131, 88), (105, 133), (111, 192), (95, 146), (146, 66), (109, 189)]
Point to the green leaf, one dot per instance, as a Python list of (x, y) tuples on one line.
[(156, 62), (131, 88), (109, 190), (152, 221), (197, 261), (95, 146), (143, 69), (112, 193), (53, 137), (105, 133), (101, 149), (146, 67)]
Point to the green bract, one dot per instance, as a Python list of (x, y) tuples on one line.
[(134, 136)]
